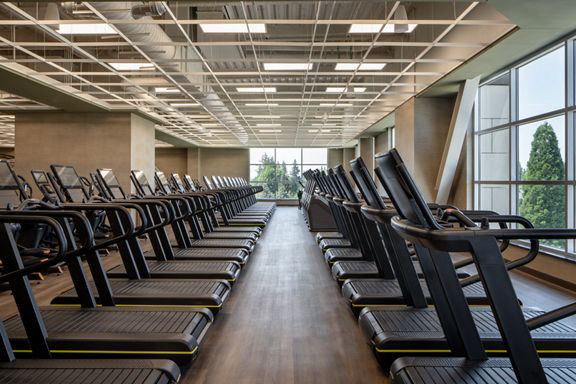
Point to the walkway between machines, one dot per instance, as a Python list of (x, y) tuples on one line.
[(286, 321)]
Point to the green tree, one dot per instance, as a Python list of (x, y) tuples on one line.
[(544, 205), (276, 180)]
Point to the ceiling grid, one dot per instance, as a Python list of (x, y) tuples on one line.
[(301, 73)]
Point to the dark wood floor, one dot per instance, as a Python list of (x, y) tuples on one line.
[(286, 321)]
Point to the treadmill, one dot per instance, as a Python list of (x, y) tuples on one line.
[(394, 332), (246, 203), (186, 213), (137, 291), (98, 371), (200, 214), (386, 292), (521, 339), (161, 267), (211, 227), (229, 209), (86, 331), (214, 202), (367, 234)]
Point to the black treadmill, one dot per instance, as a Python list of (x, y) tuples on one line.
[(136, 291), (389, 291), (521, 342), (159, 238), (71, 371), (198, 231), (210, 227), (246, 202), (181, 232), (161, 267), (229, 209), (377, 266), (86, 331), (215, 203)]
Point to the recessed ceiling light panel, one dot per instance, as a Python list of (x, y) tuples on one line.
[(233, 28), (86, 29), (256, 89), (287, 66)]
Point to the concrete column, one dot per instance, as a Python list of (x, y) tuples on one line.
[(348, 154), (335, 157), (193, 162), (87, 141), (422, 126), (366, 151)]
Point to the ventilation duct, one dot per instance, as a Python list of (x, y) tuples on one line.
[(164, 51)]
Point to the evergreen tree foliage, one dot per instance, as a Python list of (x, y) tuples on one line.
[(544, 205), (276, 180)]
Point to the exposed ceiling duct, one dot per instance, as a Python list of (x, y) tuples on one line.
[(168, 52)]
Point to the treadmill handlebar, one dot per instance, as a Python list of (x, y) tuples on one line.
[(12, 217)]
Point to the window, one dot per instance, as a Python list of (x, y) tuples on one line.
[(524, 144), (278, 170)]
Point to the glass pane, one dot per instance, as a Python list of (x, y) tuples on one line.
[(495, 198), (495, 102), (541, 150), (261, 155), (494, 155), (545, 207), (288, 155), (254, 170), (314, 155), (541, 85)]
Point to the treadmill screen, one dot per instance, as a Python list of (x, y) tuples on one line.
[(67, 176), (163, 179), (141, 178), (109, 177), (7, 180), (178, 180), (40, 177)]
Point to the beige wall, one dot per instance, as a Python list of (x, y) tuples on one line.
[(84, 140), (172, 160), (421, 128), (335, 157), (142, 141), (224, 162), (432, 123), (193, 162), (348, 154), (380, 146), (365, 150)]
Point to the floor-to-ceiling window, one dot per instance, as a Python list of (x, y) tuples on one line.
[(278, 170), (524, 142)]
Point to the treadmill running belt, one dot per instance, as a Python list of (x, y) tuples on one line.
[(94, 372), (183, 292), (424, 323), (171, 333), (232, 254), (381, 287), (338, 254), (415, 370), (184, 266)]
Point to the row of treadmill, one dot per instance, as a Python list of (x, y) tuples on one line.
[(182, 247), (402, 265)]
